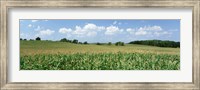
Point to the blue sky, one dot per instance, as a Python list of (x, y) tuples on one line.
[(100, 30)]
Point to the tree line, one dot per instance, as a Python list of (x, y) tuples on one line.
[(159, 43), (37, 39), (75, 41)]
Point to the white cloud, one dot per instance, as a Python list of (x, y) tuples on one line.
[(90, 27), (38, 28), (24, 35), (130, 30), (93, 33), (162, 33), (173, 30), (115, 22), (30, 25), (65, 30), (150, 31), (89, 30), (34, 20), (141, 32), (79, 31), (92, 30), (46, 32), (111, 30), (151, 28)]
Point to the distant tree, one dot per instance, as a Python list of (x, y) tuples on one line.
[(80, 43), (70, 41), (31, 40), (63, 40), (159, 43), (75, 41), (25, 39), (85, 42), (38, 39), (109, 43), (119, 43), (49, 40), (21, 39), (98, 43), (122, 43)]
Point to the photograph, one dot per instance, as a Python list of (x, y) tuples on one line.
[(99, 44)]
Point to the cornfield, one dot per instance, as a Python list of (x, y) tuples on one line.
[(100, 61)]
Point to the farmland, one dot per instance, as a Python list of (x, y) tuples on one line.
[(52, 55)]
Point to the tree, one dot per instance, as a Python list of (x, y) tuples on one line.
[(31, 40), (80, 43), (159, 43), (70, 41), (85, 42), (98, 43), (38, 39), (21, 39), (25, 39), (119, 43), (109, 43), (63, 40), (122, 43), (75, 41)]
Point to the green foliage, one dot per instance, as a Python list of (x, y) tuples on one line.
[(98, 43), (109, 43), (100, 61), (119, 43), (38, 39), (65, 40), (31, 40), (158, 43), (85, 42), (54, 55), (80, 43), (75, 41), (54, 47)]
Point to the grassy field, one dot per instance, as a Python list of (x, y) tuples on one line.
[(49, 55)]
